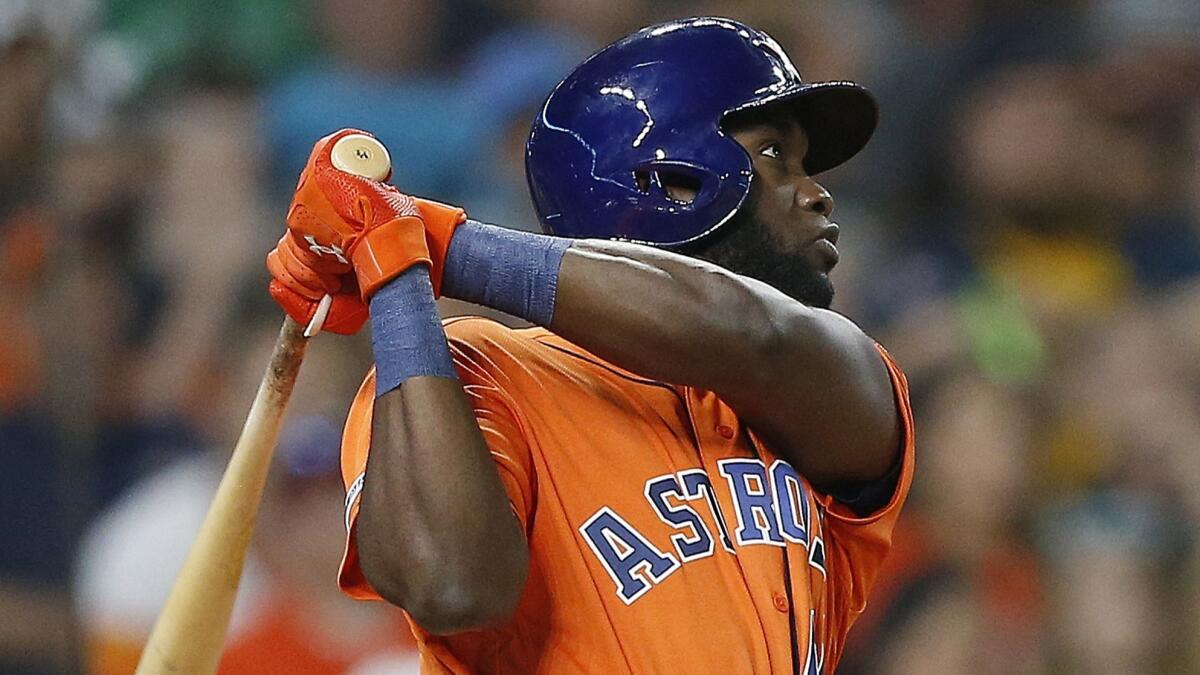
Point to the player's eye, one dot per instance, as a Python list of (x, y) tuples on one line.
[(772, 150)]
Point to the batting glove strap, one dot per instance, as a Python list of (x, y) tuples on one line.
[(385, 252)]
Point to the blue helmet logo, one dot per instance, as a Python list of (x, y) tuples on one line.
[(651, 105)]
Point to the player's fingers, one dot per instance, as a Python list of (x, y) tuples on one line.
[(330, 269), (351, 288), (281, 273), (300, 308), (325, 261), (347, 314), (316, 271)]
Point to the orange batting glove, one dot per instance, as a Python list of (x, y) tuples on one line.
[(440, 222), (299, 279), (351, 222)]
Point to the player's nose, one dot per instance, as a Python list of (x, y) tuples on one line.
[(812, 196)]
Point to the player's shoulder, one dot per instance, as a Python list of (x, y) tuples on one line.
[(467, 327), (474, 341), (491, 344), (539, 353), (484, 334)]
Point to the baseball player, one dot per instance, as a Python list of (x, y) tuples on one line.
[(690, 464)]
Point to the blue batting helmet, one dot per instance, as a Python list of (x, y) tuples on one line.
[(651, 105)]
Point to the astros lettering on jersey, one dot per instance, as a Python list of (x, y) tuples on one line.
[(654, 519)]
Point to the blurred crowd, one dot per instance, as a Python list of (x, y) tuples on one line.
[(1023, 233)]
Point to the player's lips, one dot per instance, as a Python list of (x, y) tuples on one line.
[(826, 244)]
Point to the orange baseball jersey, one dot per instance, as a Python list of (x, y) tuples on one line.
[(662, 532)]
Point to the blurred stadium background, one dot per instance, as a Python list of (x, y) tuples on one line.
[(1023, 233)]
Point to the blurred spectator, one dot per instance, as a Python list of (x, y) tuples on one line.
[(963, 550), (173, 44), (36, 495), (510, 75), (597, 23), (934, 627), (390, 72), (1109, 555)]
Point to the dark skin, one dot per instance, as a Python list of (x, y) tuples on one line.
[(436, 533)]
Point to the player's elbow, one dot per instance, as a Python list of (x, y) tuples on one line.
[(458, 608), (447, 596)]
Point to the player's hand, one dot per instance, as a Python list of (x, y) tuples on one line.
[(354, 223), (300, 278)]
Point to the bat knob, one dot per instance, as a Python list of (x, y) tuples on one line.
[(361, 155)]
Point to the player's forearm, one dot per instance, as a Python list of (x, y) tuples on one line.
[(667, 316), (436, 534), (656, 313)]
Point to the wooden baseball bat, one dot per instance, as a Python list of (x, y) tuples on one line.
[(189, 634), (190, 631)]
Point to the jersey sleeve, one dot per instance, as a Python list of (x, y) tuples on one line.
[(857, 545), (356, 445), (504, 427), (499, 421)]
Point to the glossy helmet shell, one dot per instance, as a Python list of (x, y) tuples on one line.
[(652, 104)]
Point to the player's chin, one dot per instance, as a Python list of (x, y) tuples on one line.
[(809, 286), (823, 296), (818, 287)]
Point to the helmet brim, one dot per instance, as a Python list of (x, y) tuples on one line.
[(839, 118)]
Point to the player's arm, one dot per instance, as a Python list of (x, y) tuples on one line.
[(436, 534), (435, 531), (808, 380)]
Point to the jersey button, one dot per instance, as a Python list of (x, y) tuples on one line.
[(725, 431), (781, 602)]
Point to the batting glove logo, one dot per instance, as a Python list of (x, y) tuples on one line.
[(334, 250)]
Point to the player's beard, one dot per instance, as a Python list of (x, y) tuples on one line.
[(744, 245)]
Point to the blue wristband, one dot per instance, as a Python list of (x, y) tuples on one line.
[(513, 271), (406, 332)]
